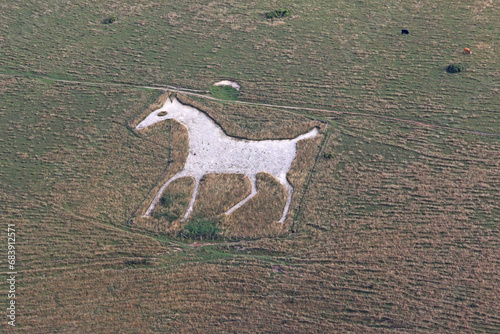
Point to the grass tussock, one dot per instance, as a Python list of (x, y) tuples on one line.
[(455, 68), (200, 228), (278, 14), (109, 20)]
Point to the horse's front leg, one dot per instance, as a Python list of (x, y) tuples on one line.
[(160, 192)]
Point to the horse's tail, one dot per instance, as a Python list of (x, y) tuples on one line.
[(311, 134)]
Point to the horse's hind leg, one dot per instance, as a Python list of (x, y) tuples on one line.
[(289, 188), (160, 192), (253, 181)]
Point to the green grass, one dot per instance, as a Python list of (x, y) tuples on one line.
[(224, 92)]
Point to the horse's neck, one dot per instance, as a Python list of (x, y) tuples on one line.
[(199, 124)]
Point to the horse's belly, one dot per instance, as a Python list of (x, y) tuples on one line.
[(241, 157)]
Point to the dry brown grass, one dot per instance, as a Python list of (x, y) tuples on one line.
[(308, 152), (398, 232), (245, 296)]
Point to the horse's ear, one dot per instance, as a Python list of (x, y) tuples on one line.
[(172, 95)]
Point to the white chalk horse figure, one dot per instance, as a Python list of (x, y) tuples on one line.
[(212, 151)]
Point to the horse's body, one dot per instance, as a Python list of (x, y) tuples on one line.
[(212, 151)]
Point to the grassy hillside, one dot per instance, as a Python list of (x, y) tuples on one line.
[(345, 56), (395, 225)]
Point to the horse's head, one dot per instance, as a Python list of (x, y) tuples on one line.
[(170, 110)]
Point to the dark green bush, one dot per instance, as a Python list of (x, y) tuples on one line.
[(278, 13), (137, 262), (202, 228), (455, 68), (168, 199), (328, 155), (110, 19)]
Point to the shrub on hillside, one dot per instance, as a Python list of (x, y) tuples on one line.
[(110, 19), (328, 155), (278, 13), (455, 68)]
